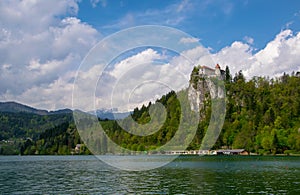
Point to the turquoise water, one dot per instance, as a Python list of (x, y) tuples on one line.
[(186, 175)]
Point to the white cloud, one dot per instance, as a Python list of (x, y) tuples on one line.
[(174, 14), (34, 16), (41, 42), (53, 96), (280, 55), (118, 86), (237, 56), (138, 79), (6, 66), (189, 40), (181, 6), (146, 56), (249, 40), (96, 2)]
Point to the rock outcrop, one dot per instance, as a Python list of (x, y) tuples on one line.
[(205, 82)]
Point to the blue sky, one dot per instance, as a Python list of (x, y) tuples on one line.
[(43, 43), (216, 23)]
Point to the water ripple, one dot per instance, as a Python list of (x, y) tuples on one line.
[(186, 175)]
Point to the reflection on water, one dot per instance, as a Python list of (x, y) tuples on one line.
[(186, 175)]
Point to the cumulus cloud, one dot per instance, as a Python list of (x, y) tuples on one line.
[(280, 55), (41, 42), (237, 56), (138, 79), (146, 56)]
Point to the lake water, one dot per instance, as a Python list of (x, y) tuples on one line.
[(185, 175)]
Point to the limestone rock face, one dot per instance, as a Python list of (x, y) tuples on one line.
[(196, 95), (206, 89), (205, 82)]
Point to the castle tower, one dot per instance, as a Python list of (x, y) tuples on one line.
[(218, 70)]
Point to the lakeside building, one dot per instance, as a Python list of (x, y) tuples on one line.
[(232, 152), (207, 152)]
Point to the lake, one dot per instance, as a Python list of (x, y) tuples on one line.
[(185, 175)]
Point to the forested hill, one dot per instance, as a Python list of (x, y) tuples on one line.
[(262, 116), (19, 123), (14, 107)]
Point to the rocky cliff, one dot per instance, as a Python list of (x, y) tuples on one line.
[(205, 82)]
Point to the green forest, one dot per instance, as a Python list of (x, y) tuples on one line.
[(18, 129), (262, 116)]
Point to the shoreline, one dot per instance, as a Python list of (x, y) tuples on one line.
[(160, 154)]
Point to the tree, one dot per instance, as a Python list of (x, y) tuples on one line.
[(239, 77), (228, 77), (274, 142)]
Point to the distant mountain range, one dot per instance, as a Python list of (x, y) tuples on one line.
[(110, 114), (14, 107)]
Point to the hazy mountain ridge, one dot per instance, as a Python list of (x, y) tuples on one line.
[(111, 114), (15, 107)]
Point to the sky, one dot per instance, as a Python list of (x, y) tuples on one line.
[(43, 45)]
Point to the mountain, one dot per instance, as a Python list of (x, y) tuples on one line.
[(62, 111), (14, 107), (18, 121), (111, 114)]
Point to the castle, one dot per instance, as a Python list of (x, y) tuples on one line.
[(207, 71)]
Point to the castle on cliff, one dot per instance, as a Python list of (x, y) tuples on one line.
[(201, 83), (207, 71)]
